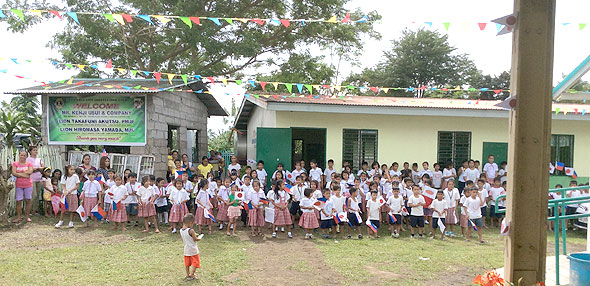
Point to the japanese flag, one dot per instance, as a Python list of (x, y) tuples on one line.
[(504, 228), (381, 201), (240, 196), (82, 213), (551, 168), (569, 171)]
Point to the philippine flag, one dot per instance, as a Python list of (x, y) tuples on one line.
[(98, 212), (100, 179), (337, 219), (574, 175), (82, 213), (247, 205), (359, 219), (371, 226), (288, 188), (392, 218), (209, 215), (117, 205), (559, 166), (104, 153), (264, 201), (63, 203), (473, 225)]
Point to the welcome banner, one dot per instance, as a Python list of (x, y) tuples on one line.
[(103, 120)]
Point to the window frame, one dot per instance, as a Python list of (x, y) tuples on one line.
[(356, 162), (454, 156), (572, 141)]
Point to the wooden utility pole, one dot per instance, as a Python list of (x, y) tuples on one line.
[(530, 134)]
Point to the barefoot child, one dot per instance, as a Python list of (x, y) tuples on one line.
[(203, 205), (233, 210), (146, 195), (256, 214), (395, 203), (118, 194), (282, 216), (178, 199), (308, 219), (191, 251), (89, 195), (416, 202), (439, 207), (70, 183)]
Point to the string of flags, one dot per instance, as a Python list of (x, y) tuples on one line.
[(299, 87), (569, 171), (123, 18)]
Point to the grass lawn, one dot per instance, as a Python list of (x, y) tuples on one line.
[(37, 254)]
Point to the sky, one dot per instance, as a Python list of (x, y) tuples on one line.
[(491, 53)]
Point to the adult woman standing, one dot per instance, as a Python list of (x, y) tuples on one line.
[(85, 166), (204, 168), (36, 176), (22, 170), (234, 165), (103, 167), (188, 166)]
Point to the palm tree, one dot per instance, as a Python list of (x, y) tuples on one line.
[(10, 124)]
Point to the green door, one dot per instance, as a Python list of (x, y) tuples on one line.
[(498, 149), (273, 146)]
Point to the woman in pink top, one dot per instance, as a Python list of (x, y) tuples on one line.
[(85, 166), (36, 176), (22, 170)]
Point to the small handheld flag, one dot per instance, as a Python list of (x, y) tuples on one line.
[(247, 205), (63, 204), (569, 171), (381, 201), (98, 212), (100, 179), (551, 168), (288, 189), (209, 215), (371, 226), (240, 196), (559, 166), (392, 218), (264, 201), (574, 175), (319, 204), (337, 219), (118, 205), (504, 228), (441, 226), (82, 213), (473, 225), (104, 153), (359, 219), (405, 211)]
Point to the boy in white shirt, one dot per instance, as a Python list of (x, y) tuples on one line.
[(296, 197), (329, 171), (437, 175), (131, 200), (502, 172), (373, 206), (472, 208), (471, 173), (417, 203), (494, 193), (339, 202), (490, 169), (395, 203), (296, 173), (326, 215), (261, 172), (315, 173), (439, 208), (280, 168), (425, 170)]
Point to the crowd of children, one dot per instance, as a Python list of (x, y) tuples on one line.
[(330, 202)]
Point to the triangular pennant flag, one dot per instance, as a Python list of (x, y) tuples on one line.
[(498, 27), (309, 87), (162, 19), (134, 72), (285, 23), (55, 13), (316, 86), (170, 77), (74, 16), (81, 67), (119, 18), (18, 13), (447, 25), (145, 18), (229, 20), (184, 78), (37, 13), (238, 81), (252, 83), (109, 65), (557, 110), (385, 89), (127, 18), (215, 20), (364, 19), (122, 70), (243, 20), (289, 86), (276, 85), (66, 64), (224, 80), (428, 23), (582, 26), (346, 18), (195, 20), (187, 21), (158, 75), (70, 81), (109, 17), (299, 87), (258, 21), (482, 26), (374, 89), (263, 84), (332, 20), (337, 87)]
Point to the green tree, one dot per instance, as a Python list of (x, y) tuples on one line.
[(20, 115), (419, 58), (10, 124), (222, 140), (208, 49)]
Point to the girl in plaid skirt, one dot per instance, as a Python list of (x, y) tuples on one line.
[(146, 196), (203, 206), (282, 215), (118, 193), (178, 199)]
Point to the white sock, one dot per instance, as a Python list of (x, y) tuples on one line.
[(166, 217)]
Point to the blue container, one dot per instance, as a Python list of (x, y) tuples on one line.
[(579, 269)]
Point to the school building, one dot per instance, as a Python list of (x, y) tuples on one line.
[(387, 129)]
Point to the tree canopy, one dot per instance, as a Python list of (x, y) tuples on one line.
[(208, 49)]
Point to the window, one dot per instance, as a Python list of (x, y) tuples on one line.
[(562, 150), (359, 145), (454, 146)]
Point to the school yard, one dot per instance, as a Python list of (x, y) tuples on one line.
[(37, 254)]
